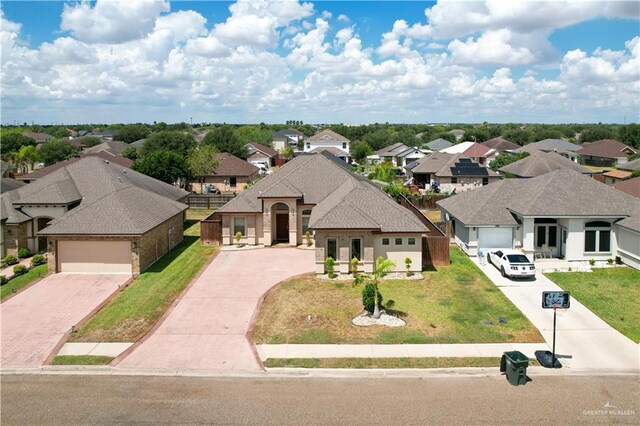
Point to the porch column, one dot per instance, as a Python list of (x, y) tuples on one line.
[(293, 223), (528, 237), (266, 223)]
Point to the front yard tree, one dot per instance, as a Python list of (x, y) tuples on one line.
[(202, 162), (382, 268), (57, 150), (163, 165), (225, 140), (361, 150)]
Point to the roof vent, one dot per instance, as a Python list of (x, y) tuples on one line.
[(106, 161), (124, 171), (119, 179)]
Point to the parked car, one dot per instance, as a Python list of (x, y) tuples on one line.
[(511, 263)]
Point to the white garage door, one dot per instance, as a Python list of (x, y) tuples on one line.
[(495, 238), (94, 257)]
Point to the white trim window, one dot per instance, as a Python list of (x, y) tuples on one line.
[(239, 223), (356, 248), (597, 237)]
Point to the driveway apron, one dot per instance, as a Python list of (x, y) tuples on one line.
[(588, 341), (206, 329), (34, 321)]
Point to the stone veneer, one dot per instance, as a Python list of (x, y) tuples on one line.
[(14, 237)]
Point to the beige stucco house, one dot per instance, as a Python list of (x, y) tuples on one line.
[(451, 172), (231, 175), (346, 214)]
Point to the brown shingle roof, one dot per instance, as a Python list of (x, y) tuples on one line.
[(114, 147), (8, 184), (607, 148), (37, 174), (264, 149), (539, 163), (500, 144), (630, 186), (441, 164), (230, 165), (631, 165), (328, 134), (477, 150)]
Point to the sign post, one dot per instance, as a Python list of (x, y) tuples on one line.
[(552, 300)]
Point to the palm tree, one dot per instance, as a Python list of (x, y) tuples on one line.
[(382, 268), (27, 157)]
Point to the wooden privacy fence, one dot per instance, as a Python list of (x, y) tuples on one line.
[(208, 201), (428, 202), (211, 230), (435, 246)]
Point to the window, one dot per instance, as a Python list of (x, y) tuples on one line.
[(332, 248), (411, 241), (485, 181), (553, 236), (344, 145), (398, 241), (308, 145), (454, 180), (385, 241), (306, 214), (233, 181), (597, 237), (238, 225), (541, 239), (356, 248)]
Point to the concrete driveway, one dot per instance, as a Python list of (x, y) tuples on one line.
[(206, 330), (34, 321), (592, 343)]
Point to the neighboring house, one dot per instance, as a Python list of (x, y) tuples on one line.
[(105, 135), (400, 154), (629, 186), (344, 156), (138, 144), (501, 145), (562, 147), (40, 138), (438, 144), (611, 177), (112, 147), (605, 153), (261, 155), (8, 184), (231, 175), (93, 216), (286, 137), (480, 153), (562, 213), (328, 139), (6, 169), (539, 163), (458, 133), (453, 172), (37, 174), (630, 166), (348, 215), (458, 148)]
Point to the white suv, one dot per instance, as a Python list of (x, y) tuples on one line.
[(511, 263)]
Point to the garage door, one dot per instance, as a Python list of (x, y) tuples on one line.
[(495, 238), (94, 257)]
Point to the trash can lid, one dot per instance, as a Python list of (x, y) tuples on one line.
[(516, 356)]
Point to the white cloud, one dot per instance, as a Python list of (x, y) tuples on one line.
[(326, 14), (434, 45), (344, 18), (491, 48), (112, 21), (344, 35)]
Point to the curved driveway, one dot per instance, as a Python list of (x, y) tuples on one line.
[(206, 329)]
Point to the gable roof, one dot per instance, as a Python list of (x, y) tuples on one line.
[(500, 144), (439, 144), (230, 165), (630, 165), (38, 137), (450, 165), (557, 145), (539, 163), (254, 146), (607, 148), (281, 134), (330, 149), (572, 194), (108, 195), (327, 135), (8, 184), (391, 150), (458, 148), (343, 200), (113, 147), (37, 174), (477, 150), (629, 186)]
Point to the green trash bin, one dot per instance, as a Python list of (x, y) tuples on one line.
[(514, 364)]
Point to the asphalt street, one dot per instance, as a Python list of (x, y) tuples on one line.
[(74, 399)]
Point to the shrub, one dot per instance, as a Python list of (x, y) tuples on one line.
[(354, 265), (592, 262), (407, 264), (38, 259), (238, 237), (368, 297), (24, 252), (610, 261), (329, 265), (10, 260), (19, 270), (307, 236), (3, 280), (618, 260)]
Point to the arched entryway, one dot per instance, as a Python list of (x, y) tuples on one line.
[(41, 242), (281, 223)]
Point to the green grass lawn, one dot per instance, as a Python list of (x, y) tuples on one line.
[(81, 360), (135, 310), (611, 293), (448, 306), (22, 281), (444, 362)]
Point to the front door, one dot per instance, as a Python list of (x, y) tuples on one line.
[(282, 227)]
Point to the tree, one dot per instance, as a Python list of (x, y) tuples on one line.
[(11, 142), (226, 140), (57, 150), (377, 139), (519, 136), (203, 162), (175, 141), (90, 140), (360, 151), (255, 134), (479, 134), (27, 157), (130, 152), (167, 166), (630, 134), (383, 172), (383, 267), (596, 133), (132, 132), (504, 159)]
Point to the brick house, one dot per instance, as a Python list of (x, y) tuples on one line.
[(231, 175)]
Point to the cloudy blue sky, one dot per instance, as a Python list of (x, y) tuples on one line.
[(353, 62)]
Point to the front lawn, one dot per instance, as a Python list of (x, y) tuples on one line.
[(21, 281), (449, 306), (611, 293), (135, 310), (444, 362), (81, 360)]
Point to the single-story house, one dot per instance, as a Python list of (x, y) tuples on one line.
[(40, 138), (605, 153), (112, 147), (111, 158), (453, 172), (337, 152), (328, 139), (286, 137), (231, 175), (630, 166), (347, 215), (438, 144), (93, 216), (481, 154), (629, 186), (562, 214), (400, 154), (258, 154), (539, 163), (501, 145), (562, 147)]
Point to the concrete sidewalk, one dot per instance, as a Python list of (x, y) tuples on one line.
[(588, 340), (397, 351)]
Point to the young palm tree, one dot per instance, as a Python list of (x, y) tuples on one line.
[(382, 268)]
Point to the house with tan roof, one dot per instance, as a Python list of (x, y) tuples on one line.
[(480, 153), (539, 163), (231, 175), (40, 138), (105, 155), (561, 146), (630, 166), (328, 139), (500, 144), (614, 176), (450, 172), (347, 215), (562, 214), (93, 216), (605, 153)]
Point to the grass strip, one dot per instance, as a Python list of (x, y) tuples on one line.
[(81, 360), (21, 281), (365, 363)]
